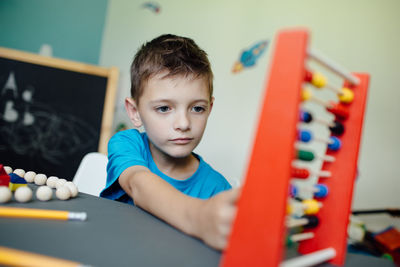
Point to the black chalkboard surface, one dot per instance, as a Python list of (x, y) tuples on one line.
[(53, 112)]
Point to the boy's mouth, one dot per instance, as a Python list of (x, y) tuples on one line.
[(181, 141)]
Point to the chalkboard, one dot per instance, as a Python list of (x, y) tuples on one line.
[(53, 112)]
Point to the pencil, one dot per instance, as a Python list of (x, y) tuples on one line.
[(13, 212), (14, 257)]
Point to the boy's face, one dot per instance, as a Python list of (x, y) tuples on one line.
[(174, 113)]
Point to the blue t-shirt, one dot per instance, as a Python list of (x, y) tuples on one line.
[(130, 148)]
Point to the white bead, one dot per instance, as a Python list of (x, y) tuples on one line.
[(8, 169), (30, 176), (44, 193), (72, 188), (51, 181), (60, 182), (63, 193), (40, 179), (19, 172), (23, 194), (5, 194)]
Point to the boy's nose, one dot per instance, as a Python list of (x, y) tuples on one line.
[(182, 121)]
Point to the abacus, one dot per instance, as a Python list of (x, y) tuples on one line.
[(259, 230)]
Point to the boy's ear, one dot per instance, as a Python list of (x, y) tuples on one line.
[(133, 112), (211, 103)]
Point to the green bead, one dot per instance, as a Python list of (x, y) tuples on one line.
[(289, 242), (387, 256), (305, 155)]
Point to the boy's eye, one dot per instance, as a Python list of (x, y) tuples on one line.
[(198, 109), (163, 109)]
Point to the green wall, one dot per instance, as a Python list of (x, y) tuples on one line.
[(73, 28)]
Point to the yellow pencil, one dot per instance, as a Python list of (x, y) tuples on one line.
[(14, 257), (42, 214)]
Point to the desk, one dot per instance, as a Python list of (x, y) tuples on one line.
[(115, 234)]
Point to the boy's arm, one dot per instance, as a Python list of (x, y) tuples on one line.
[(209, 220)]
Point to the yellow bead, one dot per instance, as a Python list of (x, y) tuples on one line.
[(14, 187), (318, 80), (289, 209), (347, 96), (311, 206), (306, 94)]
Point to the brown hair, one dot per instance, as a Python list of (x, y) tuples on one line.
[(175, 54)]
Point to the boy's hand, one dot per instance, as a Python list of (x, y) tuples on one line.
[(216, 217)]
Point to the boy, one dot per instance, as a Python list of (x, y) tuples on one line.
[(171, 88)]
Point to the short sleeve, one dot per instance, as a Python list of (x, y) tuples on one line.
[(125, 149)]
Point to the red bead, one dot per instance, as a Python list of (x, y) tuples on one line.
[(308, 76), (300, 173), (339, 110)]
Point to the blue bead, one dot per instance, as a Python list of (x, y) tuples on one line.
[(16, 179), (322, 191), (305, 116), (305, 135), (293, 191), (302, 115), (335, 143)]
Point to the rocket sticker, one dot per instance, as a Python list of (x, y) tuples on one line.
[(249, 57)]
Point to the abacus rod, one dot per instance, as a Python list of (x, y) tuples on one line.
[(310, 259), (334, 67)]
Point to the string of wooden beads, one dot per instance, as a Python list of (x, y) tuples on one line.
[(16, 181)]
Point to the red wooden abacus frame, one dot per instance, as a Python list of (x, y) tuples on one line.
[(258, 234)]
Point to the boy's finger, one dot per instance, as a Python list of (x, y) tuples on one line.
[(232, 195)]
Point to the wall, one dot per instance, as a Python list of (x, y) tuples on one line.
[(361, 35), (72, 28)]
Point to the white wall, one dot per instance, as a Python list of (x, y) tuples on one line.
[(362, 35)]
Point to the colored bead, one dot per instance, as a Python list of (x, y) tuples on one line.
[(322, 191), (14, 187), (335, 143), (293, 191), (308, 76), (306, 94), (4, 177), (4, 180), (311, 206), (289, 209), (313, 221), (305, 155), (305, 116), (16, 181), (339, 110), (289, 242), (318, 80), (304, 135), (299, 173), (337, 128), (347, 96)]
